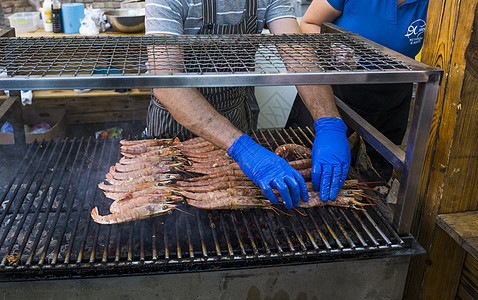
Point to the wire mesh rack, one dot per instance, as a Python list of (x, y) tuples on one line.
[(195, 60)]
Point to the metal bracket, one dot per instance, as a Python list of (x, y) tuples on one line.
[(375, 138)]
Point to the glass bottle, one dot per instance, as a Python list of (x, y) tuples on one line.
[(56, 16)]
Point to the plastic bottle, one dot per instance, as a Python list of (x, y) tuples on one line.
[(46, 15), (56, 17)]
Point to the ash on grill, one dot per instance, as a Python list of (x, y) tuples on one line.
[(141, 187)]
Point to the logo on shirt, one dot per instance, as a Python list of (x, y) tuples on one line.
[(415, 31)]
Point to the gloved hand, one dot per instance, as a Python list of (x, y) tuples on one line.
[(269, 171), (330, 157)]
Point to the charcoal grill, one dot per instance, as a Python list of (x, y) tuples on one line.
[(46, 223), (46, 228)]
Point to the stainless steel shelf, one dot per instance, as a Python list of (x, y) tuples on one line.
[(198, 61)]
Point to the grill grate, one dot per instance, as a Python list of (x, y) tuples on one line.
[(210, 54), (46, 225), (248, 57)]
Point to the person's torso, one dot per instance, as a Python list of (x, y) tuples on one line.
[(190, 13), (228, 101), (399, 28)]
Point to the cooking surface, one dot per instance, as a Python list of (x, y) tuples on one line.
[(82, 62), (46, 224)]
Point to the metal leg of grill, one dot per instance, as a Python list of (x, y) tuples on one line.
[(409, 163)]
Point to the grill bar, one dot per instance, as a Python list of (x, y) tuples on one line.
[(70, 204), (154, 255), (70, 208), (49, 207), (27, 209), (192, 60), (130, 243), (46, 223), (309, 235), (331, 231), (273, 234), (166, 247), (357, 233), (320, 233), (57, 211), (342, 230), (365, 229), (214, 235), (226, 235), (188, 231), (286, 235), (201, 235), (9, 202), (297, 235), (178, 244), (236, 231)]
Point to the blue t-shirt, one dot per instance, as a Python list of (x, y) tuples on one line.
[(399, 28)]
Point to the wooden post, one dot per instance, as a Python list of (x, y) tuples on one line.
[(451, 167)]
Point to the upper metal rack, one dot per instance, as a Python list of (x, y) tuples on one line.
[(201, 60)]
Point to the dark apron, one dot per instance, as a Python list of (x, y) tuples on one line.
[(237, 104), (384, 106)]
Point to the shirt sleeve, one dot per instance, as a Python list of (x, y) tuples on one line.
[(165, 16), (278, 9), (337, 4)]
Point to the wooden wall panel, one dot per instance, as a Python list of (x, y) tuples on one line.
[(461, 192), (468, 288), (437, 51), (444, 267), (449, 183)]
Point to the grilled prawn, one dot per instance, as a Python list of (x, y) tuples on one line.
[(123, 206), (136, 213), (231, 202)]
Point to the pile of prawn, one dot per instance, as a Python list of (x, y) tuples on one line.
[(223, 185), (153, 175), (137, 184)]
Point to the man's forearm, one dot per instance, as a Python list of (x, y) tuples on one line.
[(319, 100), (189, 107)]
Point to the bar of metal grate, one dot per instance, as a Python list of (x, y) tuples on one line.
[(72, 202), (236, 231), (286, 235), (194, 60), (18, 227), (201, 236), (58, 208), (214, 235), (166, 242), (46, 223), (178, 244), (55, 184)]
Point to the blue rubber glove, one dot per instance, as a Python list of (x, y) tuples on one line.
[(269, 171), (330, 157)]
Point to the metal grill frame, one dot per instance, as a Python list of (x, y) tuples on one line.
[(409, 163)]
